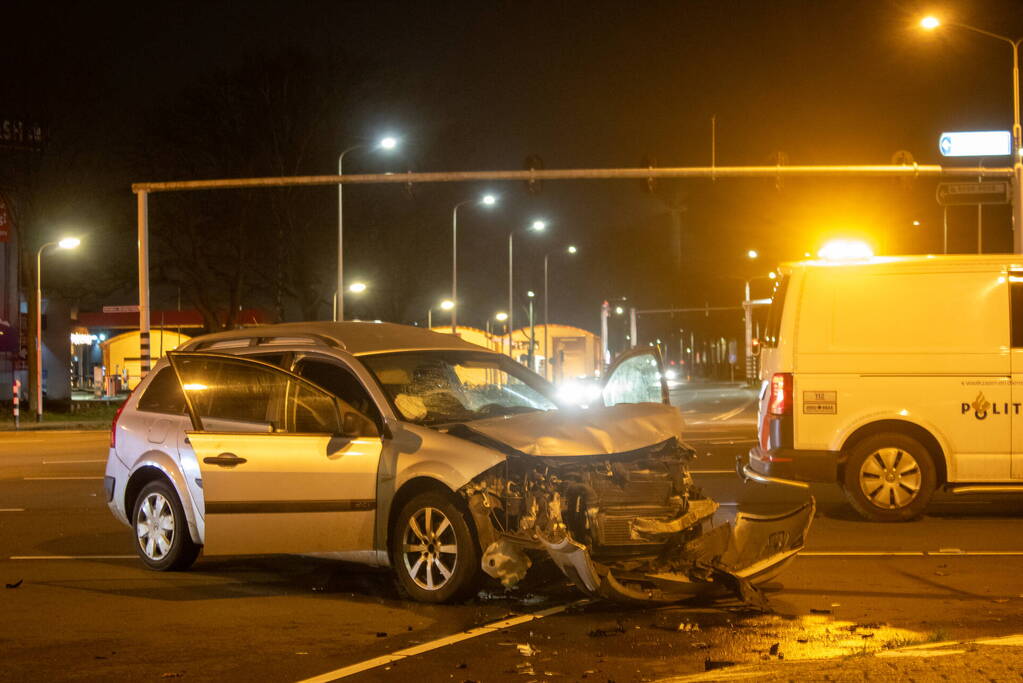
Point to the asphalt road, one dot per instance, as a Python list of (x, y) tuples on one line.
[(98, 615)]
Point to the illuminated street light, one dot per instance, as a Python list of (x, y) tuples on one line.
[(388, 143), (536, 226), (571, 250), (66, 243), (486, 200), (446, 305), (357, 287), (752, 253), (931, 23), (501, 317), (619, 310), (772, 275)]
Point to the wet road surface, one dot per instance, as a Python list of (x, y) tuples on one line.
[(101, 616)]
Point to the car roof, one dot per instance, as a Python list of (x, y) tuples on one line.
[(358, 338)]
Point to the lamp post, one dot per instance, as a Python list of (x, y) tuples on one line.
[(532, 330), (930, 23), (387, 143), (535, 226), (502, 317), (486, 200), (446, 305), (66, 243), (546, 320)]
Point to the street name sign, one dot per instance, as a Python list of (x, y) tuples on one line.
[(977, 143), (956, 194), (120, 309)]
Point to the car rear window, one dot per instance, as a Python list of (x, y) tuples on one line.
[(163, 395), (774, 313)]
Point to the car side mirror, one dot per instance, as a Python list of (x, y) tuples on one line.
[(351, 424)]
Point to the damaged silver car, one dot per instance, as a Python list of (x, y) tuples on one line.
[(394, 446)]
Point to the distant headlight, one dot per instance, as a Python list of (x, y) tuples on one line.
[(670, 374)]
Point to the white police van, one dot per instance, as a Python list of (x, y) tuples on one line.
[(894, 376)]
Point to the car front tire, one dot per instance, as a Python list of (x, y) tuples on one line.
[(889, 477), (161, 530), (434, 552)]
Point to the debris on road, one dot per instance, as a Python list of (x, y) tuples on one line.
[(526, 650), (605, 631), (15, 584)]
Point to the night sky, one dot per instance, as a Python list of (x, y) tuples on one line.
[(477, 86)]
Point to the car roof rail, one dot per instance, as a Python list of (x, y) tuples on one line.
[(263, 340)]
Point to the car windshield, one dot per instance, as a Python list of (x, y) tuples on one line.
[(440, 387)]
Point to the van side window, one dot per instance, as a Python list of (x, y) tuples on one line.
[(774, 314), (163, 395), (1016, 294)]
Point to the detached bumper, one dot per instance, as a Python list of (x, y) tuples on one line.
[(733, 559), (789, 466)]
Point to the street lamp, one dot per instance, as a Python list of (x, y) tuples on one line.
[(357, 287), (446, 305), (752, 254), (66, 243), (571, 250), (388, 143), (535, 226), (486, 200), (930, 23)]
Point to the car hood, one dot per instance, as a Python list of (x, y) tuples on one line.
[(584, 432)]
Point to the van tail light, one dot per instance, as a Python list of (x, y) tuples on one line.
[(780, 401), (113, 425)]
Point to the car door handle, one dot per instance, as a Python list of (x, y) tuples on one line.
[(225, 460)]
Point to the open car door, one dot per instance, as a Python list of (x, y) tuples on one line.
[(286, 466), (636, 376)]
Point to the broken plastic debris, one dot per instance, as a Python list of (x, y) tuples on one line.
[(15, 584), (526, 650)]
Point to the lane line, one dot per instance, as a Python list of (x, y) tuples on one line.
[(494, 627), (912, 553), (59, 478), (731, 471), (69, 462), (12, 509), (72, 557)]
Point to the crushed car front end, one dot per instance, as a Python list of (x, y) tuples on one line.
[(607, 495)]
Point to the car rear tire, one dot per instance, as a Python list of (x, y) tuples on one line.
[(433, 550), (889, 477), (161, 530)]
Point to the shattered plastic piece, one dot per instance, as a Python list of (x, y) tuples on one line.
[(526, 650), (381, 634), (15, 584), (505, 561)]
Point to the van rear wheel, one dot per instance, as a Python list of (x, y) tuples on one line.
[(889, 477)]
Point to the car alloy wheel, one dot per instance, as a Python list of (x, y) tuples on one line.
[(890, 478), (434, 550), (430, 549)]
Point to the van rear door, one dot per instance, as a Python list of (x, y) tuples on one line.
[(1016, 299)]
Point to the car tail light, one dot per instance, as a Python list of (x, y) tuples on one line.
[(113, 425), (780, 401)]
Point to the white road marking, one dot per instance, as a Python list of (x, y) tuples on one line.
[(72, 557), (1016, 640), (59, 478), (70, 462), (732, 413), (12, 509), (912, 553), (368, 664), (718, 442), (712, 471)]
